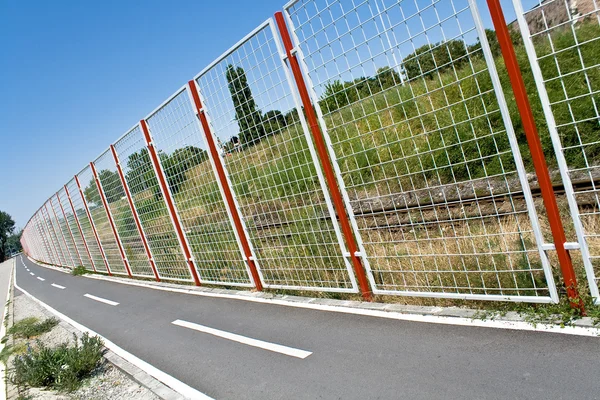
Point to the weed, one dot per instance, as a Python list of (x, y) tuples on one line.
[(30, 327), (79, 270), (61, 368)]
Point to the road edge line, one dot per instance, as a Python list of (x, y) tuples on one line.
[(170, 381)]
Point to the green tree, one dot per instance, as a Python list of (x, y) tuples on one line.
[(274, 121), (111, 183), (91, 193), (13, 243), (177, 164), (429, 58), (140, 173), (7, 227), (247, 114)]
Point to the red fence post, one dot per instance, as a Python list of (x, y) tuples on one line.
[(229, 201), (160, 176), (537, 153), (110, 219), (69, 228), (89, 215), (134, 213), (317, 135), (79, 228)]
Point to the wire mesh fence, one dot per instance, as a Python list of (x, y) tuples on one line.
[(562, 39), (80, 213), (189, 174), (58, 232), (64, 232), (151, 207), (52, 237), (76, 233), (44, 239), (99, 219), (419, 134), (271, 166), (430, 162), (122, 215)]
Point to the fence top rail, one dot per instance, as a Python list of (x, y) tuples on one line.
[(233, 48)]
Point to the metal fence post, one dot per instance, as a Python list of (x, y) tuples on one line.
[(324, 157), (226, 191), (537, 154), (168, 196), (79, 228), (134, 212), (110, 219), (89, 215)]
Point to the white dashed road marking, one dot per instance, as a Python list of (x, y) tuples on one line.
[(100, 299), (289, 351)]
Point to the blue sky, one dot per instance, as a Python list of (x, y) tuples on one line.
[(75, 75)]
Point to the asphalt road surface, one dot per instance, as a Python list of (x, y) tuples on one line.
[(236, 349)]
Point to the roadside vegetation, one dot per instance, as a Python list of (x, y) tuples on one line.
[(61, 368), (79, 270)]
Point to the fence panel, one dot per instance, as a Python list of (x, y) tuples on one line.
[(91, 196), (86, 227), (49, 257), (56, 229), (562, 40), (151, 207), (122, 215), (271, 166), (71, 236), (189, 173), (411, 103), (63, 232), (76, 234), (58, 251)]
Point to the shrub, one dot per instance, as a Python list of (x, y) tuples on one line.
[(61, 368)]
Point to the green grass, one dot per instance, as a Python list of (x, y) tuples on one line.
[(62, 368), (31, 327)]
